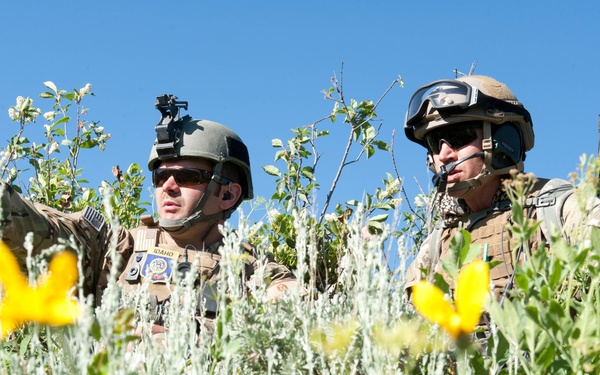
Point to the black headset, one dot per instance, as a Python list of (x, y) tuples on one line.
[(507, 147)]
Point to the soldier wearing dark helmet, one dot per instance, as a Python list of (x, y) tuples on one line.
[(201, 174), (475, 132)]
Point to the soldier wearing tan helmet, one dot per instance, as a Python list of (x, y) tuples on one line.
[(475, 132)]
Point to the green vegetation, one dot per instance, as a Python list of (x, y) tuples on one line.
[(356, 318)]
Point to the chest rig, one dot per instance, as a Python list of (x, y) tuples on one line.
[(157, 262), (488, 229)]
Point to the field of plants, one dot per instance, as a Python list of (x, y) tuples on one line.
[(356, 318)]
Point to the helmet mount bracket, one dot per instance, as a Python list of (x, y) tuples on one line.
[(168, 130)]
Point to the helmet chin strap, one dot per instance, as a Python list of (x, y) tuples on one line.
[(440, 179), (179, 226), (471, 184)]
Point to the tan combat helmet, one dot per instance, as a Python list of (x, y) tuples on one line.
[(190, 138), (507, 126)]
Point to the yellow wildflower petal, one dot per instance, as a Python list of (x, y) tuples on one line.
[(20, 304), (62, 274), (10, 272), (472, 289), (430, 302), (62, 312), (54, 292), (49, 303), (7, 326)]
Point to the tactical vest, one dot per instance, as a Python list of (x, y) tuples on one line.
[(489, 230), (152, 259)]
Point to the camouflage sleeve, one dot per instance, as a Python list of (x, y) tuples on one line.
[(281, 278), (18, 217), (578, 217), (421, 261)]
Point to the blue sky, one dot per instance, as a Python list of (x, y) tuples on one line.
[(259, 67)]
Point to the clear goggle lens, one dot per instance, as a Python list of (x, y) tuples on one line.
[(455, 96), (440, 95)]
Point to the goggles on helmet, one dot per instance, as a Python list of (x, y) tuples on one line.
[(185, 177), (454, 97), (456, 137)]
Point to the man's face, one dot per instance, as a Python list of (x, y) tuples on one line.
[(454, 143), (177, 201)]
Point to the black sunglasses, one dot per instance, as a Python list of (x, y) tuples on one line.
[(183, 177), (455, 137)]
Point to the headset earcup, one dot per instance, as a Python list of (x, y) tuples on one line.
[(507, 148)]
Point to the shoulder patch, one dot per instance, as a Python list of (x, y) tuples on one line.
[(145, 238)]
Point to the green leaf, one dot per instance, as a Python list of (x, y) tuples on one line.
[(441, 283), (24, 344), (517, 213), (308, 173), (508, 319), (380, 218), (276, 142), (369, 131), (469, 253), (51, 86), (280, 155), (533, 312), (292, 146), (381, 145), (96, 331), (63, 120), (376, 226), (459, 250), (272, 170), (556, 275), (47, 95), (370, 151), (545, 358)]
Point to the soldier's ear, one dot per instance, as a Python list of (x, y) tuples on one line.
[(230, 194)]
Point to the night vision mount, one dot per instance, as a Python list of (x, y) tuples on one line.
[(168, 130)]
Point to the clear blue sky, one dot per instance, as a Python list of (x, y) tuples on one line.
[(259, 67)]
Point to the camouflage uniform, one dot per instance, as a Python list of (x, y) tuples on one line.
[(488, 229), (144, 250), (451, 114), (153, 259), (18, 217)]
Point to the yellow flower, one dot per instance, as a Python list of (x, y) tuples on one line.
[(48, 303), (335, 342), (472, 289)]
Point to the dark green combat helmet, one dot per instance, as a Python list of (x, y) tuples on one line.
[(185, 137)]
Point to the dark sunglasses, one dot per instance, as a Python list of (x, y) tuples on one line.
[(183, 177), (455, 137)]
